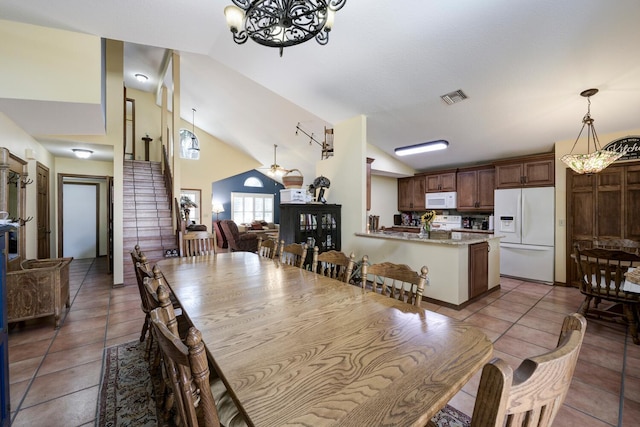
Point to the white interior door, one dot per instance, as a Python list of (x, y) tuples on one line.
[(79, 220)]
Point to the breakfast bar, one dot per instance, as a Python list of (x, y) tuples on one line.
[(460, 268)]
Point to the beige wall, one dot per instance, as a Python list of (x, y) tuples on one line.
[(384, 198), (347, 172), (72, 62)]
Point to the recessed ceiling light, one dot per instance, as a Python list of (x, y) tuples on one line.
[(423, 147), (141, 77), (82, 153)]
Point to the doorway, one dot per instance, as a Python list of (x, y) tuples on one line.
[(42, 211), (83, 217)]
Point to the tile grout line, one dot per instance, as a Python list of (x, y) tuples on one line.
[(55, 335)]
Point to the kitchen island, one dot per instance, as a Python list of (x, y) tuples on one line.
[(458, 271)]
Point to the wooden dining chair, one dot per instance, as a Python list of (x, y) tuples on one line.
[(602, 276), (196, 243), (193, 397), (156, 298), (533, 393), (293, 253), (626, 245), (397, 281), (334, 264), (267, 247), (143, 271)]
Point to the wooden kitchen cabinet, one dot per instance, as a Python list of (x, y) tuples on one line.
[(411, 193), (475, 189), (478, 269), (441, 181), (530, 171)]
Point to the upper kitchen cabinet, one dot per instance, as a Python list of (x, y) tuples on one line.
[(441, 181), (411, 193), (475, 189), (530, 171)]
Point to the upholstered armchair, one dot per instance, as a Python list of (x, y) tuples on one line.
[(238, 242)]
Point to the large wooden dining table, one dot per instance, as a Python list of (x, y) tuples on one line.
[(299, 349)]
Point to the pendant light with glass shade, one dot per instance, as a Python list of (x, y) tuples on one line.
[(195, 145), (599, 159)]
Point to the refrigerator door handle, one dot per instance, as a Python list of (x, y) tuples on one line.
[(526, 247), (520, 222)]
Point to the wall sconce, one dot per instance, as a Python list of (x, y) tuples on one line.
[(423, 147)]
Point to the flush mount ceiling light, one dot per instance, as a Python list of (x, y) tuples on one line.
[(599, 159), (424, 147), (141, 77), (281, 23), (82, 153)]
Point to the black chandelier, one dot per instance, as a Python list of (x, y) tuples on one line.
[(281, 23)]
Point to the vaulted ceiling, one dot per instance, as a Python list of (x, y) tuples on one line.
[(521, 64)]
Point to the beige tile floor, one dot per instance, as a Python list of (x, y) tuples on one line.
[(55, 374)]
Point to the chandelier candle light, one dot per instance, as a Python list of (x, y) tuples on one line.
[(281, 23), (591, 162)]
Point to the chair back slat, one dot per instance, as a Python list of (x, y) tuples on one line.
[(626, 245), (334, 264), (267, 247), (197, 243), (188, 372), (293, 254), (602, 272), (397, 281), (534, 393)]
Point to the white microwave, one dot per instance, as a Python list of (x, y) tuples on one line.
[(446, 200)]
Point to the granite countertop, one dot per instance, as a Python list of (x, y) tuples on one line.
[(465, 238)]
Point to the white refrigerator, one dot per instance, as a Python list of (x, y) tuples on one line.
[(526, 219)]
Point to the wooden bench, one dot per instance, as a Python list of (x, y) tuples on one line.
[(40, 289)]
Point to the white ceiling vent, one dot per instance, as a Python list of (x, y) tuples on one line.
[(453, 97)]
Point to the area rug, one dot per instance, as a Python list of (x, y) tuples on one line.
[(451, 417), (127, 390)]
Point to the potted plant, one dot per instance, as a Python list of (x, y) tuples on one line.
[(185, 206)]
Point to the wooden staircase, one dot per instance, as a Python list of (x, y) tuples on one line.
[(147, 219)]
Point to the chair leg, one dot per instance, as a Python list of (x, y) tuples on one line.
[(631, 315), (145, 327), (584, 308)]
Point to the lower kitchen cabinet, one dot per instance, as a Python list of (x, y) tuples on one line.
[(478, 269)]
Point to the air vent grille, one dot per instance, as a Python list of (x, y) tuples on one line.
[(453, 97)]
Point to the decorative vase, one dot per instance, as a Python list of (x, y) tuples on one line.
[(424, 231)]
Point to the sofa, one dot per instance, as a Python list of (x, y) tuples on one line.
[(237, 241)]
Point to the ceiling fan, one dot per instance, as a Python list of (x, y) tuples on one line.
[(275, 169)]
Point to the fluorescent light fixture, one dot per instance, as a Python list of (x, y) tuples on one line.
[(423, 147), (82, 153), (141, 77)]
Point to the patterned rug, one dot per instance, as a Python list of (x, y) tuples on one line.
[(126, 391), (451, 417)]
